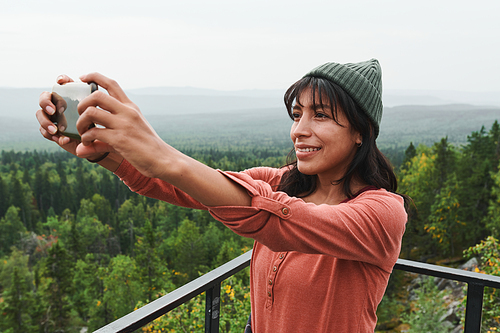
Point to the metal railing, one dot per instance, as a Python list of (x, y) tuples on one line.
[(211, 284)]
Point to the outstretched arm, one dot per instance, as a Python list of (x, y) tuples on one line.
[(127, 133)]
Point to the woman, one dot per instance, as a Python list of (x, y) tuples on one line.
[(327, 227)]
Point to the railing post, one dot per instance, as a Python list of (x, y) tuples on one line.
[(474, 309), (212, 309)]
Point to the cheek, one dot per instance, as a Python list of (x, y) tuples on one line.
[(292, 130)]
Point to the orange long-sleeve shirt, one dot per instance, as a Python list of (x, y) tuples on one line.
[(314, 268)]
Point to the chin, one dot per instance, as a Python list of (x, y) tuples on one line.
[(305, 170)]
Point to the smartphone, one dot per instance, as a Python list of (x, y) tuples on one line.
[(66, 97)]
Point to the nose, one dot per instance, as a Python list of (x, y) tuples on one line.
[(300, 128)]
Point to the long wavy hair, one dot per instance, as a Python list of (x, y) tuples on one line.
[(368, 165)]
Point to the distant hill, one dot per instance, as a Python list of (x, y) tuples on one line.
[(196, 104), (428, 124), (396, 97), (191, 91), (183, 116), (391, 97)]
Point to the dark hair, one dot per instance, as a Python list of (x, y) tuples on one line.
[(368, 164)]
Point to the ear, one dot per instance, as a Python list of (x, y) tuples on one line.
[(358, 138)]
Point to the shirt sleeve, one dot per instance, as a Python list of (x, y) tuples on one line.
[(158, 189), (155, 188), (368, 228)]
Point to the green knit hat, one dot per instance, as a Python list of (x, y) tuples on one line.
[(362, 81)]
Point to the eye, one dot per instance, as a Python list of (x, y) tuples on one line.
[(295, 115), (321, 115)]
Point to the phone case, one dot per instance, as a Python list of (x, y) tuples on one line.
[(66, 98)]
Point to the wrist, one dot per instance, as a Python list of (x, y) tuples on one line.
[(111, 162), (99, 158)]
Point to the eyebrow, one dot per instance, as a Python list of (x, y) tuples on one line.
[(316, 107), (323, 106)]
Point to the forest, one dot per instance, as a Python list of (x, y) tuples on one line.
[(78, 249)]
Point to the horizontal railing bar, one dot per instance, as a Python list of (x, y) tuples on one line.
[(159, 307), (162, 305), (448, 273)]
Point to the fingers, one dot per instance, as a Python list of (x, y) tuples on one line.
[(45, 99), (47, 135), (45, 123), (110, 85), (49, 130), (102, 100), (46, 104), (93, 115), (62, 79), (49, 106)]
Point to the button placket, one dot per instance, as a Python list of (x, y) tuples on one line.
[(271, 282)]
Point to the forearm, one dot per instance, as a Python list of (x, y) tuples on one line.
[(204, 184)]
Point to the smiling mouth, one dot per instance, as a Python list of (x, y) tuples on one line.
[(307, 150)]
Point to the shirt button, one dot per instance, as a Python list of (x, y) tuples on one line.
[(269, 293), (270, 282), (285, 211), (281, 256), (275, 269)]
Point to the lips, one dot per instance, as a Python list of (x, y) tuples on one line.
[(303, 151), (307, 150)]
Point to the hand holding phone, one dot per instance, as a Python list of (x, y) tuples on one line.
[(66, 98)]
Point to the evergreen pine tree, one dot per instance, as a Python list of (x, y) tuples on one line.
[(17, 304), (11, 230), (122, 286), (18, 309), (474, 171), (410, 152), (42, 191), (444, 163), (188, 251), (63, 193), (17, 194), (152, 271), (58, 269), (4, 198), (494, 135)]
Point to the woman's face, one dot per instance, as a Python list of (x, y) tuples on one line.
[(323, 147)]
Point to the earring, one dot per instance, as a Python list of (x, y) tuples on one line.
[(360, 144)]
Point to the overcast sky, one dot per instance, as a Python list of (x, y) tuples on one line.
[(257, 44)]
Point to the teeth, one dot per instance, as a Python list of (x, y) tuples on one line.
[(307, 149)]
